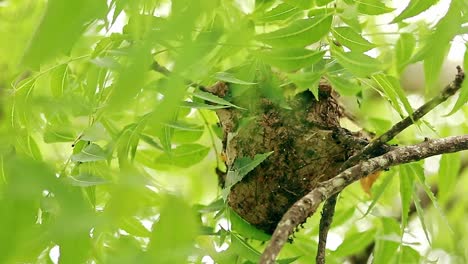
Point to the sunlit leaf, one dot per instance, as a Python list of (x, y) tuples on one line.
[(173, 235), (57, 133), (463, 95), (346, 36), (279, 13), (392, 89), (322, 2), (59, 80), (94, 133), (438, 43), (229, 78), (448, 175), (420, 212), (92, 152), (131, 77), (385, 248), (418, 171), (408, 254), (183, 156), (61, 26), (406, 192), (106, 62), (359, 64), (299, 34), (414, 8), (373, 7), (300, 3), (403, 50), (290, 59), (85, 180), (343, 85), (134, 227), (354, 243)]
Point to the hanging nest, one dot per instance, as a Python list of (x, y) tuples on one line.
[(308, 147)]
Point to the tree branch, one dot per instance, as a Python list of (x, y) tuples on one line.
[(326, 220), (373, 147), (308, 204), (448, 91)]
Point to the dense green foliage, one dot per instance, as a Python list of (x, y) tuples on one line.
[(104, 159)]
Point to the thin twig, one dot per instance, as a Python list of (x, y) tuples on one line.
[(448, 91), (308, 204), (326, 220)]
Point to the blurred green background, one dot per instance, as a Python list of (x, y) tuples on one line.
[(106, 159)]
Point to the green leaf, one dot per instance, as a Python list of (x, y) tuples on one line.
[(86, 180), (378, 192), (414, 8), (213, 99), (94, 133), (172, 237), (373, 7), (346, 36), (420, 212), (59, 80), (406, 192), (230, 78), (53, 134), (306, 81), (183, 156), (134, 227), (242, 248), (392, 89), (92, 152), (344, 86), (403, 50), (299, 34), (408, 254), (290, 59), (245, 229), (385, 248), (322, 2), (437, 44), (131, 77), (281, 12), (463, 95), (448, 173), (180, 125), (32, 148), (197, 105), (418, 170), (107, 63), (241, 167), (354, 243), (433, 66), (357, 63), (60, 28), (300, 3)]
